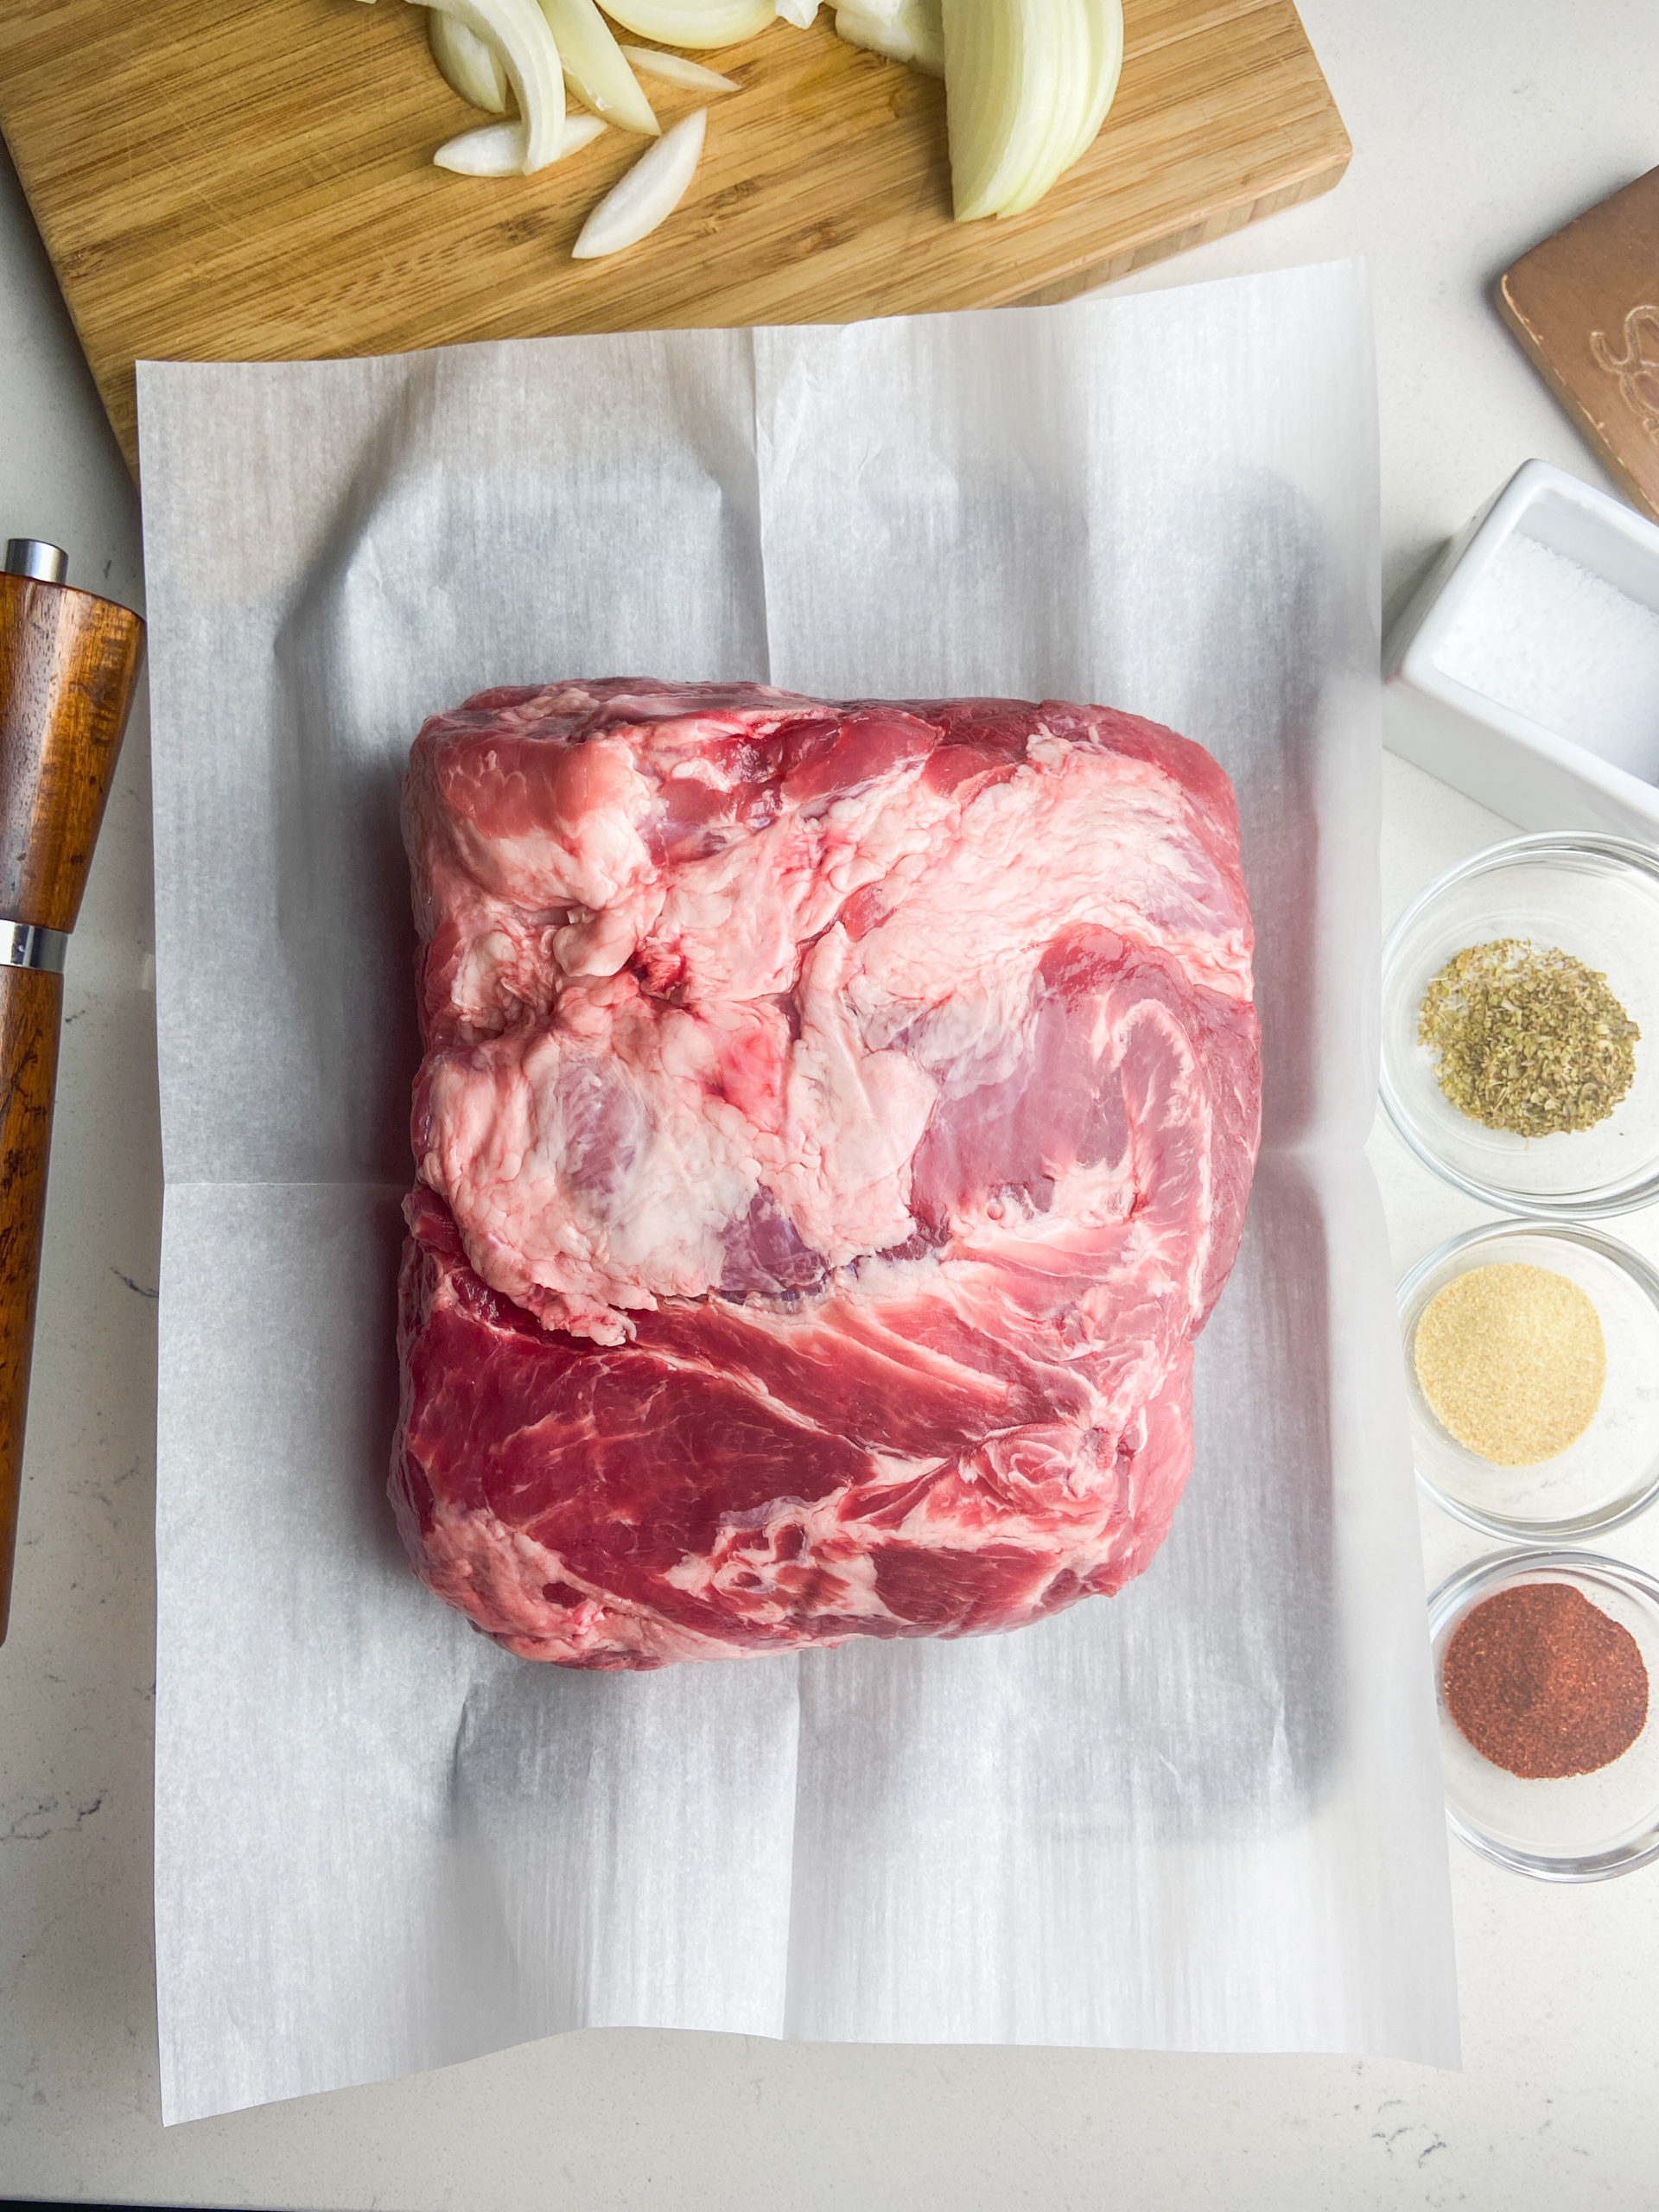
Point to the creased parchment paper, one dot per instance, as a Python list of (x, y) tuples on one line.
[(1204, 1815)]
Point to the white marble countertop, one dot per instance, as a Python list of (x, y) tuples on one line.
[(1479, 127)]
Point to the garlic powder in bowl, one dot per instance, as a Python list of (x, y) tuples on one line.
[(1532, 1368), (1512, 1359)]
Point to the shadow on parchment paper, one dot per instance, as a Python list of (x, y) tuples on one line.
[(1284, 603), (1243, 1726), (1243, 662), (344, 927), (374, 1399), (600, 1864)]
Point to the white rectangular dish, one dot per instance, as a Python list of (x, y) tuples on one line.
[(1524, 671)]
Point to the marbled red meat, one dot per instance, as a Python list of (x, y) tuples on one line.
[(836, 1124)]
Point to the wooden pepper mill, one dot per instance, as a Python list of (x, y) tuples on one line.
[(68, 663)]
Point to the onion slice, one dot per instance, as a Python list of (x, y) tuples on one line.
[(693, 22), (1028, 85), (518, 31), (1105, 21), (647, 195), (1004, 96), (594, 67), (676, 69), (1072, 99), (498, 148), (469, 65)]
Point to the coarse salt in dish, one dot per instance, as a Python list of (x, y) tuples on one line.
[(1547, 638)]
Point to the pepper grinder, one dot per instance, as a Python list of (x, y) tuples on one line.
[(68, 663)]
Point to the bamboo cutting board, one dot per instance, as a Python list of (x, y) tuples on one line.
[(237, 179)]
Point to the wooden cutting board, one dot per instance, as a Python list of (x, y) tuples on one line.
[(236, 180)]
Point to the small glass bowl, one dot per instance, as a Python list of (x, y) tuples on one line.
[(1611, 1472), (1588, 1826), (1596, 897)]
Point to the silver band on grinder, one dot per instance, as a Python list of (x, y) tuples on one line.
[(34, 556), (25, 945)]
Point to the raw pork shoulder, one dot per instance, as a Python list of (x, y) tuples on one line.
[(835, 1125)]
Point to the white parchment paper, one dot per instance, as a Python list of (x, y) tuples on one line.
[(1204, 1814)]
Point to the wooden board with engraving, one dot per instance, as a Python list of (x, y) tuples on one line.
[(234, 179), (1586, 306)]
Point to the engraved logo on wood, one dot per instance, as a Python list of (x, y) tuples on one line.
[(1638, 370)]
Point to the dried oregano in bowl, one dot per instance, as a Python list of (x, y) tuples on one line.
[(1528, 1039)]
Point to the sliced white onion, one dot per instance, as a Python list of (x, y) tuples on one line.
[(647, 195), (518, 31), (693, 22), (1035, 25), (798, 12), (594, 68), (498, 148), (1105, 21), (971, 32), (1092, 65), (911, 35), (1003, 86), (676, 69), (1028, 87), (1072, 97), (469, 65)]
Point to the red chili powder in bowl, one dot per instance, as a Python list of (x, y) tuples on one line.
[(1543, 1683)]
